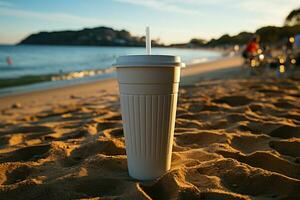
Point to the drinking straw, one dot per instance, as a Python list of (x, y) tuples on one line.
[(148, 41)]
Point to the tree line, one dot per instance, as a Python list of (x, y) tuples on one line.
[(268, 34)]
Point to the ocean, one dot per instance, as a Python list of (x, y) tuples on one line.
[(31, 67)]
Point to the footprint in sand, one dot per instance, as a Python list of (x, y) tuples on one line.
[(293, 116), (286, 132), (259, 127), (287, 85), (249, 144), (13, 139), (112, 117), (32, 129), (234, 100), (199, 139), (287, 147), (112, 164), (236, 117), (236, 178), (188, 123), (28, 132), (208, 107), (104, 125), (15, 175), (31, 153), (77, 134), (284, 105), (114, 132), (267, 161), (186, 115), (99, 186), (272, 92), (72, 124), (85, 130), (191, 157), (101, 146)]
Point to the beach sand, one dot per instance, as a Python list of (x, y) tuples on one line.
[(235, 138)]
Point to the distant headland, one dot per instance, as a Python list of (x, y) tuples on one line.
[(99, 36), (104, 36)]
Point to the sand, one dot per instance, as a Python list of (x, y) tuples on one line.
[(236, 137)]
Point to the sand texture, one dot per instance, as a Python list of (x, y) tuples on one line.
[(234, 139)]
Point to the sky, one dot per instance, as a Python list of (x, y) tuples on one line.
[(172, 21)]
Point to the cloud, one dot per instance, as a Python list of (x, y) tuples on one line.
[(274, 8), (261, 11), (266, 12), (271, 10), (161, 5), (47, 16)]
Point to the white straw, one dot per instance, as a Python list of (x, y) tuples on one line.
[(148, 40)]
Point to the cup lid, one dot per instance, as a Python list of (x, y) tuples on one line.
[(149, 60)]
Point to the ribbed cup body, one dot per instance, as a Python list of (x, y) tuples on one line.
[(148, 106)]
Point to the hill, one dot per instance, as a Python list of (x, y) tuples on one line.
[(99, 36), (270, 35)]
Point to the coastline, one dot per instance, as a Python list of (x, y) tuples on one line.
[(94, 63), (189, 75)]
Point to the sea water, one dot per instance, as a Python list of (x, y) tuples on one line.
[(39, 67)]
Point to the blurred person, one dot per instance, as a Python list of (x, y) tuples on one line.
[(297, 42), (236, 48), (252, 48), (297, 49), (289, 45), (9, 60), (267, 52)]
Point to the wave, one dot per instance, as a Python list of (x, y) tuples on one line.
[(31, 79), (81, 74), (197, 60)]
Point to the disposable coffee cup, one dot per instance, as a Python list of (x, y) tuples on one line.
[(148, 92)]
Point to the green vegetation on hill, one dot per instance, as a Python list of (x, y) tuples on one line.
[(293, 18), (99, 36), (241, 38), (268, 34), (273, 34)]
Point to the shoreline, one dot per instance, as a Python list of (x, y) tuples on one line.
[(189, 75), (15, 81)]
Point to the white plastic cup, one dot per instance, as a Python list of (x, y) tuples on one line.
[(148, 89)]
